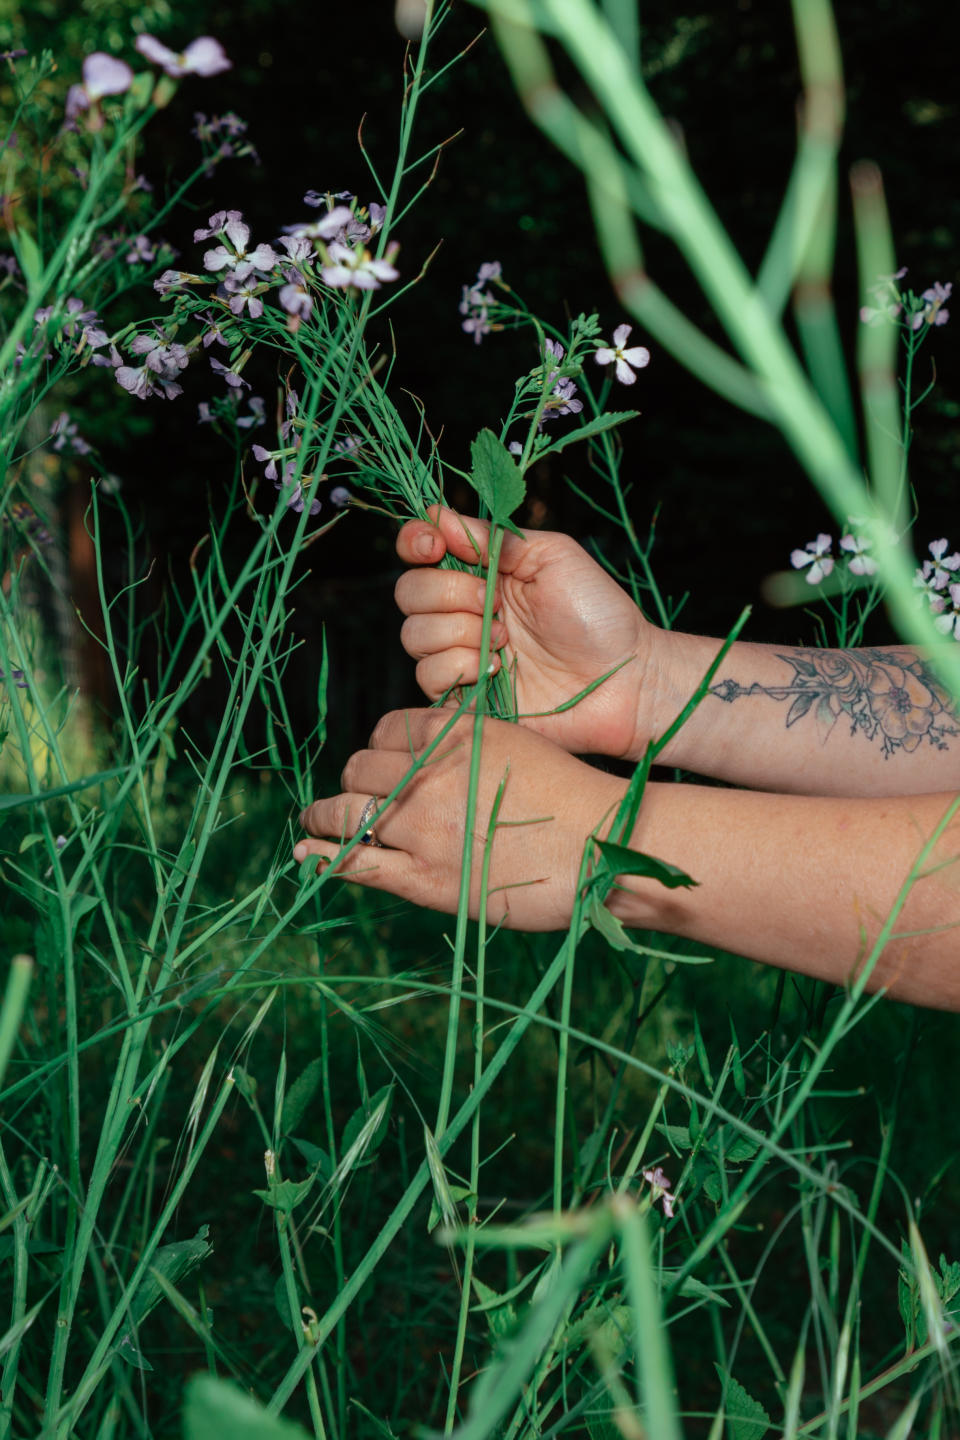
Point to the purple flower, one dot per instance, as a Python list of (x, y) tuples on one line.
[(636, 357), (295, 500), (142, 382), (356, 269), (948, 621), (111, 359), (239, 291), (218, 223), (296, 299), (164, 357), (204, 56), (331, 225), (173, 279), (66, 437), (933, 312), (236, 258), (257, 415), (339, 497), (817, 555), (15, 677), (163, 362), (475, 302), (562, 401), (859, 563), (230, 377), (263, 455), (102, 75), (660, 1188), (141, 251), (935, 574), (298, 248)]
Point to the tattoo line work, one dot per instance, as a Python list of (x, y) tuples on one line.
[(887, 695)]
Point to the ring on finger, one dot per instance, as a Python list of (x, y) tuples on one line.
[(364, 829)]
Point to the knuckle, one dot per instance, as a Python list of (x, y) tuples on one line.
[(408, 638), (383, 730), (401, 591)]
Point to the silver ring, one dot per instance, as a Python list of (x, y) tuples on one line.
[(368, 834)]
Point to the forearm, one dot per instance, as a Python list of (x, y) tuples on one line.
[(807, 883), (828, 722)]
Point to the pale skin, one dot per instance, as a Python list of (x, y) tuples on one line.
[(852, 760)]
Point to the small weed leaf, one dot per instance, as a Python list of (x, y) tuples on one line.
[(316, 1158), (171, 1262), (746, 1417), (496, 477), (299, 1095), (593, 427), (218, 1410), (501, 1314), (28, 254), (287, 1195), (621, 860)]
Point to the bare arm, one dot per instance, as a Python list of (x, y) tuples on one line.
[(805, 883), (828, 722)]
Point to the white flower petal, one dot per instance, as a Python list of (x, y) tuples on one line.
[(624, 374), (638, 356)]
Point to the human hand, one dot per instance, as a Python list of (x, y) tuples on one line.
[(551, 800), (561, 617)]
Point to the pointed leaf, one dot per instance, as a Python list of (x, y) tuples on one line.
[(746, 1417), (300, 1094), (496, 477), (592, 427), (622, 860)]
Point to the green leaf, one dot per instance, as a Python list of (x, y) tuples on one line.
[(317, 1159), (501, 1314), (496, 477), (171, 1262), (287, 1195), (28, 255), (607, 925), (746, 1417), (624, 861), (216, 1409), (456, 1194), (299, 1095), (592, 427)]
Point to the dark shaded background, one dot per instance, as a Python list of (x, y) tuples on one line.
[(733, 502)]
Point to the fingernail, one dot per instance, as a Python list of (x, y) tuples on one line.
[(300, 852), (423, 546), (302, 819)]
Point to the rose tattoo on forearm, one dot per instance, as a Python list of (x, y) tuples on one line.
[(888, 696)]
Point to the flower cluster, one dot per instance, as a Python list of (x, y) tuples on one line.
[(938, 581), (476, 303), (818, 560), (888, 303), (104, 75)]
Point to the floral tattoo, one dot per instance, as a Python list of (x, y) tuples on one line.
[(891, 696)]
